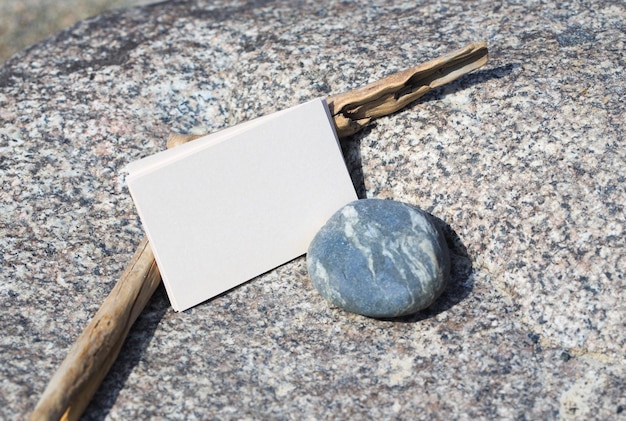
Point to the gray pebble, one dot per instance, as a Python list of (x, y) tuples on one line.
[(379, 258)]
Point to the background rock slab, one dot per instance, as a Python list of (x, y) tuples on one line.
[(524, 160), (24, 22)]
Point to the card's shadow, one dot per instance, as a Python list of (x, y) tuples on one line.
[(351, 149), (140, 335)]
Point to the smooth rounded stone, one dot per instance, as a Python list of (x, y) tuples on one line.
[(379, 258)]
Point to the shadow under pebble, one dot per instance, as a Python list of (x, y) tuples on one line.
[(460, 281)]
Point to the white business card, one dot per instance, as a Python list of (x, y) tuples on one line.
[(232, 205)]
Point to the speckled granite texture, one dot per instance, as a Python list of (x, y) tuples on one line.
[(524, 160)]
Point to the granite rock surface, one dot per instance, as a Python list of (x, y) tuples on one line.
[(379, 258), (523, 160)]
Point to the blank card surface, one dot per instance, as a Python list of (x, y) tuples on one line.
[(230, 206)]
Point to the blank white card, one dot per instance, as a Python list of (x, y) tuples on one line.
[(230, 206)]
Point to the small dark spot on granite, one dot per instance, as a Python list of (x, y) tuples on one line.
[(84, 202), (565, 356), (322, 87), (620, 409), (443, 169), (50, 250), (322, 13), (534, 337)]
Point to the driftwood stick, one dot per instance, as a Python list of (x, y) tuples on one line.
[(75, 382), (78, 377), (354, 109)]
